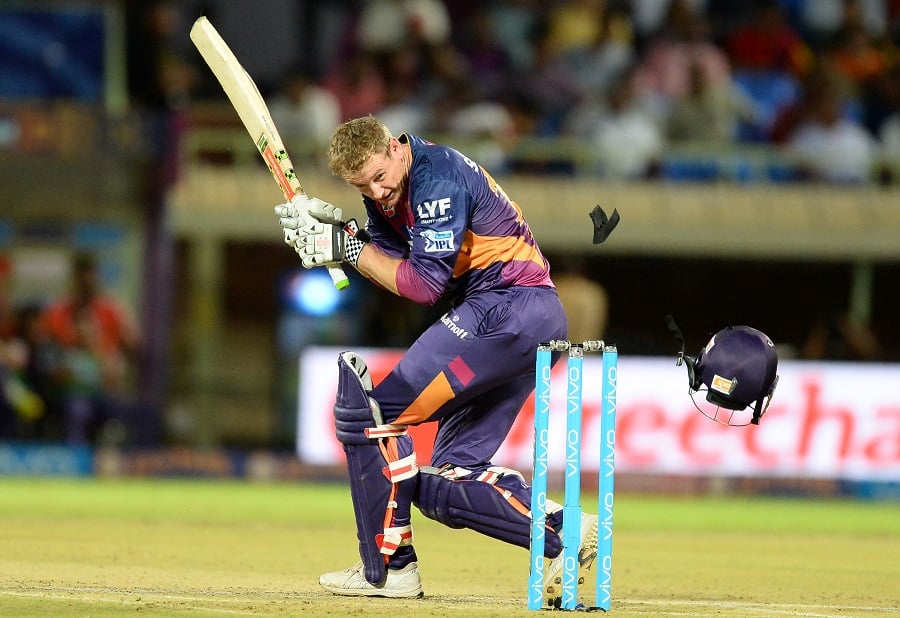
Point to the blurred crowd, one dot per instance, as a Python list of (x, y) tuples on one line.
[(629, 82), (817, 81), (66, 365)]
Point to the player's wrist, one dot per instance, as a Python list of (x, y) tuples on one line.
[(355, 240), (353, 249)]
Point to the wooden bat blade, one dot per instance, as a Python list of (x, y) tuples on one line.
[(254, 114), (247, 102)]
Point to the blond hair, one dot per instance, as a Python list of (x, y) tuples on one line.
[(353, 142)]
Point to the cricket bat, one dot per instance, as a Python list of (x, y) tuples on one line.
[(254, 113)]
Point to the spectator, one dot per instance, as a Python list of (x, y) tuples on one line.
[(98, 343), (406, 101), (828, 146), (17, 403), (21, 408), (708, 113), (549, 86), (386, 25), (441, 69), (887, 123), (305, 114), (488, 127), (857, 57), (789, 115), (327, 32), (623, 135), (489, 63), (651, 17), (39, 373), (600, 64), (358, 85), (821, 20), (575, 26), (664, 73), (513, 22), (769, 43), (428, 21), (882, 100)]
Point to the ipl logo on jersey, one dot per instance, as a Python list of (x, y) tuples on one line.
[(436, 242)]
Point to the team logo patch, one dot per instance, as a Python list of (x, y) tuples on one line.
[(436, 242), (434, 210), (723, 385)]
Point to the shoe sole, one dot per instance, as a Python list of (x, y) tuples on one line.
[(587, 555), (374, 592)]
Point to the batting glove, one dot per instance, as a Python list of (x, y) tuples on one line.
[(296, 216), (304, 210), (325, 243)]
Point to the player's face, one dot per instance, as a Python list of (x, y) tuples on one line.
[(384, 177)]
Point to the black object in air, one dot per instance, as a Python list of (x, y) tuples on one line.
[(603, 225)]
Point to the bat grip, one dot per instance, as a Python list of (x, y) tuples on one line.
[(338, 277)]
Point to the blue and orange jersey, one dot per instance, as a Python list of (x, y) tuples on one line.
[(460, 233)]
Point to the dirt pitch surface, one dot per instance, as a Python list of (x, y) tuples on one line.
[(185, 548)]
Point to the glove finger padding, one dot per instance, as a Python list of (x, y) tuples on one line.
[(305, 207), (284, 210), (292, 217), (323, 211), (304, 210), (291, 236), (292, 223)]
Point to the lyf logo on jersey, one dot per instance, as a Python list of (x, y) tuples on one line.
[(435, 210), (436, 242)]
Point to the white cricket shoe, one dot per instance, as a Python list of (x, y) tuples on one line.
[(399, 583), (587, 554)]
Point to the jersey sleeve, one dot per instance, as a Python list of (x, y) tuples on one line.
[(438, 233), (383, 235)]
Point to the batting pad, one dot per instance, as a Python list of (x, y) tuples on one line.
[(382, 466), (494, 501)]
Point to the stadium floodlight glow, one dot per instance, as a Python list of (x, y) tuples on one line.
[(312, 292)]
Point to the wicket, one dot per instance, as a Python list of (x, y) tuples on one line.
[(572, 490)]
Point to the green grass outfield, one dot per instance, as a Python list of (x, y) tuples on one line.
[(210, 548)]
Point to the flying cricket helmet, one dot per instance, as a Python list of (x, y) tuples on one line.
[(737, 368)]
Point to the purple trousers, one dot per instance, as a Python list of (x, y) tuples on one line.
[(472, 371)]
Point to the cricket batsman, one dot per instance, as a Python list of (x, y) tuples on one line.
[(438, 229)]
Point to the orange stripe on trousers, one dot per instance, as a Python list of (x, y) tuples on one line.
[(429, 400)]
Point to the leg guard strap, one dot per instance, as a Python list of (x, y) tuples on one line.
[(385, 431)]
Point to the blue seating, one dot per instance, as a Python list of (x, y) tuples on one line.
[(772, 92)]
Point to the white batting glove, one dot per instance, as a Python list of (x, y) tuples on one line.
[(320, 210), (304, 210), (293, 237), (325, 244)]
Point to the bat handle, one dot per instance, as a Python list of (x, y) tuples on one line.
[(338, 277)]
